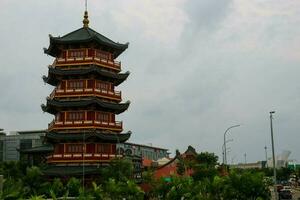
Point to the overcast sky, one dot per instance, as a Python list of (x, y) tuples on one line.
[(197, 67)]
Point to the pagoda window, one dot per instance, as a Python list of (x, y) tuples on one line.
[(103, 148), (59, 148), (75, 116), (91, 52), (102, 117), (78, 53), (103, 55), (90, 148), (102, 86), (62, 85), (75, 84), (63, 54), (74, 148), (90, 83), (90, 115), (58, 117)]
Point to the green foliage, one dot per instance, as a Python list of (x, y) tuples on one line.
[(12, 189), (73, 186), (97, 191), (210, 159), (205, 166), (37, 197), (57, 187), (245, 186), (283, 174), (119, 190), (33, 180), (181, 166), (12, 169), (119, 169)]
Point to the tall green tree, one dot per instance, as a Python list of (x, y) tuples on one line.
[(205, 166)]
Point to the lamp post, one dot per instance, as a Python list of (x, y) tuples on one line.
[(273, 152), (266, 154), (230, 140), (225, 158)]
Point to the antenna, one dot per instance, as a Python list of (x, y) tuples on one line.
[(85, 5)]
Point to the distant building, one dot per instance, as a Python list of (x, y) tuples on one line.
[(281, 159), (256, 165), (170, 168), (145, 151), (11, 144)]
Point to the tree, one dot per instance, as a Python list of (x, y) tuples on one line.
[(119, 170), (33, 180), (245, 186), (73, 186), (205, 166)]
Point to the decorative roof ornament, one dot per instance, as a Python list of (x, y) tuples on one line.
[(86, 16)]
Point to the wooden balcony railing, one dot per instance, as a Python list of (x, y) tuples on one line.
[(115, 65), (80, 157), (84, 124), (114, 95)]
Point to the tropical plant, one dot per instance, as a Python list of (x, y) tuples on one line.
[(73, 186)]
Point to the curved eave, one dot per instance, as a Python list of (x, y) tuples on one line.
[(116, 78), (53, 170), (53, 106), (38, 150), (89, 37), (55, 137)]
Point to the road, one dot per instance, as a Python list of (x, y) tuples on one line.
[(296, 194)]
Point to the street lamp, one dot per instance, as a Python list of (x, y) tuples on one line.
[(225, 158), (230, 140), (273, 152)]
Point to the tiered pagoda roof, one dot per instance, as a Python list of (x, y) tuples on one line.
[(53, 106), (55, 137), (56, 74), (85, 35)]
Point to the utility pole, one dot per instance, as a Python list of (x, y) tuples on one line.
[(245, 155), (273, 154)]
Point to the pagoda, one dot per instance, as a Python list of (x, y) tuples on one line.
[(84, 102)]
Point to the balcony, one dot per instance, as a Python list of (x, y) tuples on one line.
[(110, 64), (86, 124), (112, 95), (80, 157)]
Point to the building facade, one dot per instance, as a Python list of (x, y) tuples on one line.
[(144, 151), (15, 142)]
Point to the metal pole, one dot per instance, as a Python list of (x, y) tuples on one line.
[(266, 153), (225, 158), (83, 154), (273, 153)]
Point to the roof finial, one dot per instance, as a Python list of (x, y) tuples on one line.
[(86, 20)]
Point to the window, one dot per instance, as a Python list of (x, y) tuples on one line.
[(102, 55), (74, 148), (103, 148), (78, 84), (76, 53), (102, 117), (102, 86), (75, 116)]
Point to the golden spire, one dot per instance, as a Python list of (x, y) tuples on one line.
[(86, 16)]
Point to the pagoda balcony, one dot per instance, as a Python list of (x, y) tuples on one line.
[(112, 95), (80, 157), (85, 60), (86, 124)]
